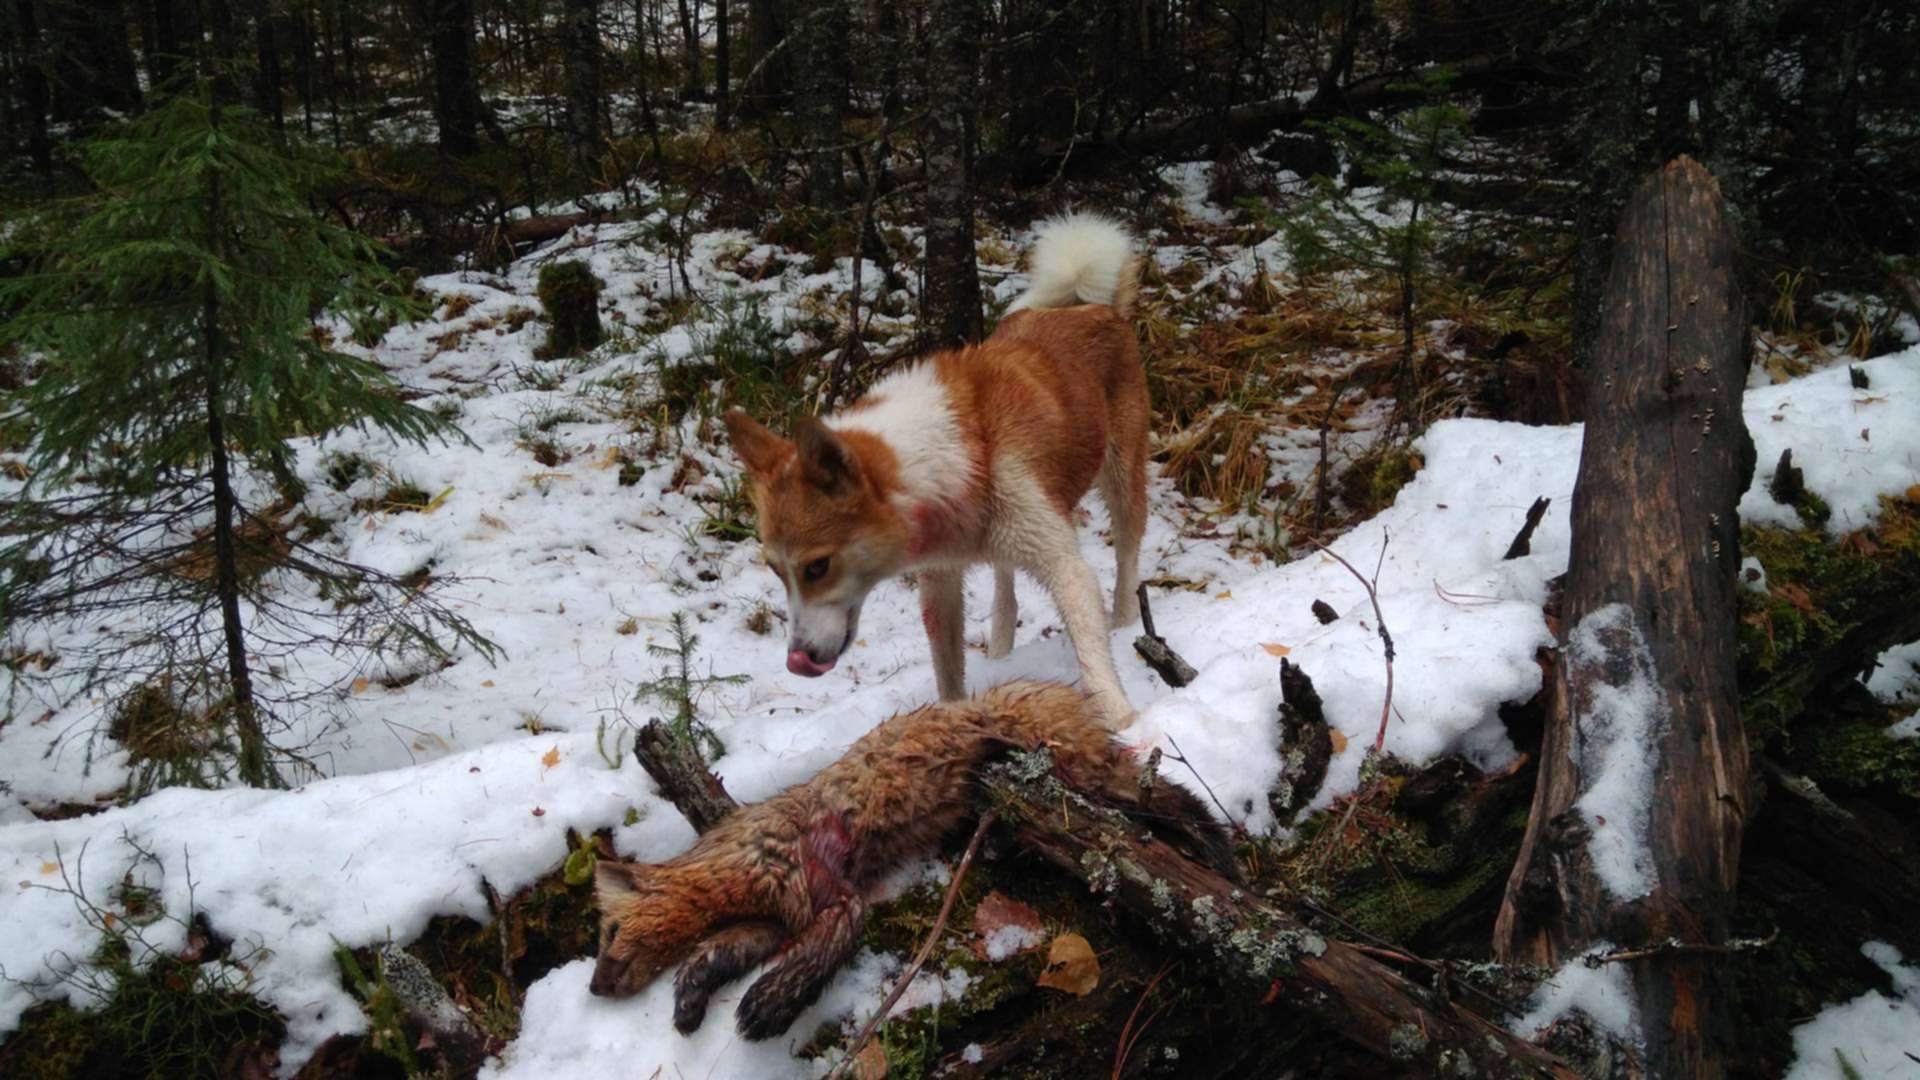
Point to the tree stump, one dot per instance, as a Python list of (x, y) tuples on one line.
[(1644, 789)]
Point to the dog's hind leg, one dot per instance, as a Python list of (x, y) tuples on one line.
[(1006, 613), (1123, 487), (943, 609)]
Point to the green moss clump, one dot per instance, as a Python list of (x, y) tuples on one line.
[(570, 293), (1863, 756)]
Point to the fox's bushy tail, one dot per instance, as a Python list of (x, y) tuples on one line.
[(1082, 258)]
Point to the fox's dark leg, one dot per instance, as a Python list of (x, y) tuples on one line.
[(717, 961), (776, 999)]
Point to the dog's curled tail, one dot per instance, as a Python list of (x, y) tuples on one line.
[(1082, 259)]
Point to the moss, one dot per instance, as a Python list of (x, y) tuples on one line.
[(570, 293), (1862, 756), (1820, 590)]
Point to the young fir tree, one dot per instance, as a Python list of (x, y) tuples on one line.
[(1396, 236), (173, 318)]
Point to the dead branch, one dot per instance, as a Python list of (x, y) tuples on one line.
[(682, 777), (1156, 652), (1523, 542)]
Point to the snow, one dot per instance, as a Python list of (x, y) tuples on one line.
[(1878, 1035), (1616, 750), (473, 774), (566, 1031), (1007, 939), (1602, 992), (1853, 445)]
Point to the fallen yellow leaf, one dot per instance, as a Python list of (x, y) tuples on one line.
[(1275, 650), (1227, 595), (1071, 966), (49, 867), (486, 682), (1338, 738), (550, 758), (360, 685)]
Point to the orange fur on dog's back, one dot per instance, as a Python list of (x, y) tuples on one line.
[(790, 875), (974, 455)]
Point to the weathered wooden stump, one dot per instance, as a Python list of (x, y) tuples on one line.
[(1644, 788)]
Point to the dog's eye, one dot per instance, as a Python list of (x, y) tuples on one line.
[(815, 570)]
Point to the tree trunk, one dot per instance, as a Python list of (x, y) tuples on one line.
[(34, 93), (163, 32), (1646, 714), (253, 765), (456, 92), (692, 83), (768, 73), (92, 63), (582, 55), (950, 298), (722, 57), (821, 40), (268, 82)]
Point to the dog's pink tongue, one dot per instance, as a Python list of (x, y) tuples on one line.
[(800, 663)]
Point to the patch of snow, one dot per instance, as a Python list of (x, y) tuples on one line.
[(1877, 1035), (1009, 938), (1895, 678), (566, 1031), (1617, 728), (1603, 992), (1853, 445)]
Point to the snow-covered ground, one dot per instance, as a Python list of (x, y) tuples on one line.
[(473, 773)]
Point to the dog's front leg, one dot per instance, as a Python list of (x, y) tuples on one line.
[(943, 609), (1006, 613), (1043, 542)]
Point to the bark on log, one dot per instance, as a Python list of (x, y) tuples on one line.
[(1251, 939), (683, 779), (1650, 604)]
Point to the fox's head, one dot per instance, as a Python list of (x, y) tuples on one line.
[(826, 528), (646, 926)]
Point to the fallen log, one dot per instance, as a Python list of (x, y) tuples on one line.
[(1635, 832), (1252, 940)]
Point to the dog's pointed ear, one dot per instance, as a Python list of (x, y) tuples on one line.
[(760, 450), (825, 460)]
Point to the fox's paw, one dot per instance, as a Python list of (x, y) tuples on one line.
[(765, 1013), (689, 1008)]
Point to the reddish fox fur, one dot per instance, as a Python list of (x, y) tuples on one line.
[(788, 878), (974, 455)]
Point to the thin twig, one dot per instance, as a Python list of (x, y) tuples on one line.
[(926, 948), (1181, 757), (1130, 1038), (1380, 622), (1675, 945)]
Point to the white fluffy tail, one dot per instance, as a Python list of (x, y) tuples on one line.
[(1081, 259)]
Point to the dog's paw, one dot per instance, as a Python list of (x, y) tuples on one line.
[(762, 1015)]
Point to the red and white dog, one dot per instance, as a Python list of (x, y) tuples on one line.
[(975, 455)]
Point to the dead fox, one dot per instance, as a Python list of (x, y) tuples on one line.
[(974, 455), (788, 878)]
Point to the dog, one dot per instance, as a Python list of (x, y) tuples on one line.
[(978, 454)]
